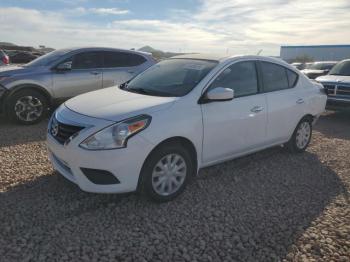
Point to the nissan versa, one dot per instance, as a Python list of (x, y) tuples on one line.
[(156, 131)]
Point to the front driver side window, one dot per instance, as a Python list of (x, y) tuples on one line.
[(241, 77)]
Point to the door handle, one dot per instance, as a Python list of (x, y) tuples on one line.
[(257, 109), (95, 73), (300, 101)]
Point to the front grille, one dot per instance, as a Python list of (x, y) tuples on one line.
[(329, 89), (63, 132), (337, 90), (343, 90)]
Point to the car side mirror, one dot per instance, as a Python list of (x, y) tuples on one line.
[(217, 94), (66, 66)]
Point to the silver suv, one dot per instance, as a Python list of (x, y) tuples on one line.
[(337, 85), (27, 92)]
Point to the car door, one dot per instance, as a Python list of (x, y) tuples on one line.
[(85, 75), (120, 67), (236, 126), (285, 99)]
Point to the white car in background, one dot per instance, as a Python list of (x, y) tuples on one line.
[(154, 133)]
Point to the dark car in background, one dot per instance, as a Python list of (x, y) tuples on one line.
[(299, 66), (4, 58), (337, 85), (22, 57), (317, 69)]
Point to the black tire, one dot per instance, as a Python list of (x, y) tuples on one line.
[(292, 144), (146, 186), (37, 96)]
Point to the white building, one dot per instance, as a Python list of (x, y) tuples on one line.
[(316, 52)]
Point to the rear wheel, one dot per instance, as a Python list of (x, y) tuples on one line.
[(301, 137), (27, 107), (166, 172)]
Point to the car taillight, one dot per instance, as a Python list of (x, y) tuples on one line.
[(6, 59)]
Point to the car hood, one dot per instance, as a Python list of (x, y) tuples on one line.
[(15, 70), (312, 71), (333, 78), (115, 104)]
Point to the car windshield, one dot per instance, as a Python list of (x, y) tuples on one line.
[(321, 66), (342, 68), (173, 77), (47, 59)]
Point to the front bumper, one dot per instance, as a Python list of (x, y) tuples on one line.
[(3, 93), (337, 103), (125, 163)]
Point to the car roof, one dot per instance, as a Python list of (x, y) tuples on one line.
[(197, 56), (224, 58), (73, 49), (325, 62)]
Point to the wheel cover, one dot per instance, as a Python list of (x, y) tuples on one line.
[(28, 108), (303, 135), (169, 174)]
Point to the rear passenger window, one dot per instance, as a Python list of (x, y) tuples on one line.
[(292, 78), (274, 77), (135, 60), (241, 77), (120, 59), (86, 60)]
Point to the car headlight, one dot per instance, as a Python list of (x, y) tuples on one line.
[(116, 135)]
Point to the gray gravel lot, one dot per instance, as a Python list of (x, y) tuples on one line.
[(270, 206)]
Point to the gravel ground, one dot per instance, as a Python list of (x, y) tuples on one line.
[(270, 206)]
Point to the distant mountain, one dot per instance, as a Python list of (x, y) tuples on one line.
[(45, 49), (158, 54), (148, 49), (12, 47), (7, 44)]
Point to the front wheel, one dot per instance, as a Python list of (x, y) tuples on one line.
[(166, 172), (27, 107), (301, 137)]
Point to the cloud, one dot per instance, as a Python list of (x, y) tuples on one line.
[(108, 11), (278, 21), (33, 27), (239, 26), (78, 11)]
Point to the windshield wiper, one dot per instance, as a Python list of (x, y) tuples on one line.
[(149, 92), (138, 90)]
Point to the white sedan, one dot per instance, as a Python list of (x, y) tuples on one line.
[(155, 132)]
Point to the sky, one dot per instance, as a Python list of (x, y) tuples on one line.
[(207, 26)]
